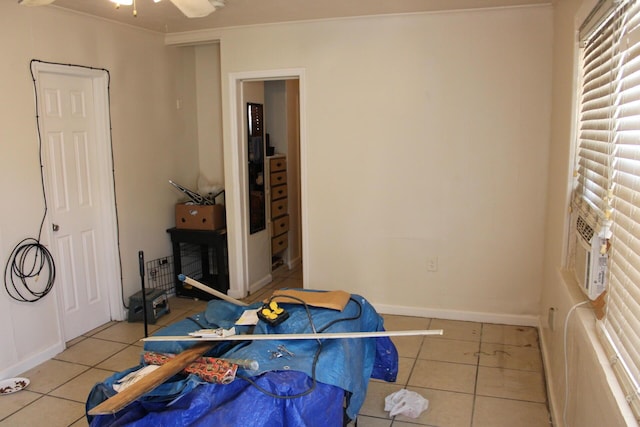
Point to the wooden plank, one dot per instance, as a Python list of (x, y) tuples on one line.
[(151, 381), (311, 336), (207, 289)]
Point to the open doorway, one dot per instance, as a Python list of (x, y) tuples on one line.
[(263, 255)]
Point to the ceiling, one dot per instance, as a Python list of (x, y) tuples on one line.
[(164, 17)]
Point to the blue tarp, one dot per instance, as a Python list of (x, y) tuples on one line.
[(336, 365)]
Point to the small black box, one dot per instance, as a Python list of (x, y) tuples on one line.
[(156, 302)]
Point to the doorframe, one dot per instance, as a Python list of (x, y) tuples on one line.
[(108, 223), (238, 238)]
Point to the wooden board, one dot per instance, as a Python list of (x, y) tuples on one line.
[(334, 300), (151, 381)]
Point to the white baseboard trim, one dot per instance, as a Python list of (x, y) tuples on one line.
[(293, 263), (234, 293), (469, 316), (32, 361), (260, 283), (552, 399)]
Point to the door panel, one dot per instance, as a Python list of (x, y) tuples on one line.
[(71, 162)]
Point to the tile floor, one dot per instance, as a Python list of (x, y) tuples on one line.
[(475, 375)]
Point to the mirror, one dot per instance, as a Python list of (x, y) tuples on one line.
[(255, 151)]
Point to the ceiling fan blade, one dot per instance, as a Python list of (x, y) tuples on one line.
[(35, 2), (194, 8)]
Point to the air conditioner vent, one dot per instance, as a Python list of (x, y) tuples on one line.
[(584, 229)]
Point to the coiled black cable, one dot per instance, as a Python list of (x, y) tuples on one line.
[(29, 261), (316, 356)]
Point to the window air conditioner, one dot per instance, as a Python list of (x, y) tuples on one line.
[(591, 260)]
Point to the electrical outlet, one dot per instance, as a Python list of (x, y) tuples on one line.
[(432, 264)]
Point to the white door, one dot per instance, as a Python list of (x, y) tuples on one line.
[(75, 205)]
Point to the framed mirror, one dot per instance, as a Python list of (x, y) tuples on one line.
[(255, 152)]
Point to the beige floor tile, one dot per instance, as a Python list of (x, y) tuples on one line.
[(78, 388), (52, 374), (364, 421), (393, 322), (75, 341), (405, 366), (510, 335), (510, 356), (443, 376), (446, 409), (457, 329), (11, 403), (492, 412), (450, 350), (82, 422), (124, 359), (125, 332), (172, 316), (90, 351), (511, 384), (49, 411), (373, 405), (99, 328), (406, 346)]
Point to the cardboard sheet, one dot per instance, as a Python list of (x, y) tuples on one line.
[(334, 300)]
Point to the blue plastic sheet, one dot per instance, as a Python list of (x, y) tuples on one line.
[(330, 367)]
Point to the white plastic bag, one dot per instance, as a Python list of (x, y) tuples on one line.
[(405, 402)]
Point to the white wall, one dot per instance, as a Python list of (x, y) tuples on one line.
[(258, 243), (426, 135), (209, 113), (594, 399), (152, 143)]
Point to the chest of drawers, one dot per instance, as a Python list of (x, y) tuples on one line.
[(279, 212)]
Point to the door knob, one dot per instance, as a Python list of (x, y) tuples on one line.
[(55, 227)]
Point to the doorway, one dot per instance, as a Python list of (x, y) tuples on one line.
[(73, 112), (250, 254)]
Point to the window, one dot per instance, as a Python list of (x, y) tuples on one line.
[(607, 193)]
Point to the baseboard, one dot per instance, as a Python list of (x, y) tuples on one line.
[(293, 263), (256, 286), (469, 316), (32, 361), (552, 398)]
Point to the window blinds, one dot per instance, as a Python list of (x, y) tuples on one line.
[(609, 180), (597, 108)]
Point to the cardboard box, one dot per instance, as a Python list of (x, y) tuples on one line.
[(200, 217)]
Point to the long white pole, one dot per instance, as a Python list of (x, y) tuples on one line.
[(310, 336)]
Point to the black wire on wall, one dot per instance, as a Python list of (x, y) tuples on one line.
[(30, 261)]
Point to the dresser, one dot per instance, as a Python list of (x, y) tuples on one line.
[(279, 208)]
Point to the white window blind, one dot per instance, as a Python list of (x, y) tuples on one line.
[(609, 180), (597, 109)]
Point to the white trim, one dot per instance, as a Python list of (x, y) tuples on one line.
[(33, 361), (207, 337), (256, 286), (468, 316), (238, 232), (108, 224)]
